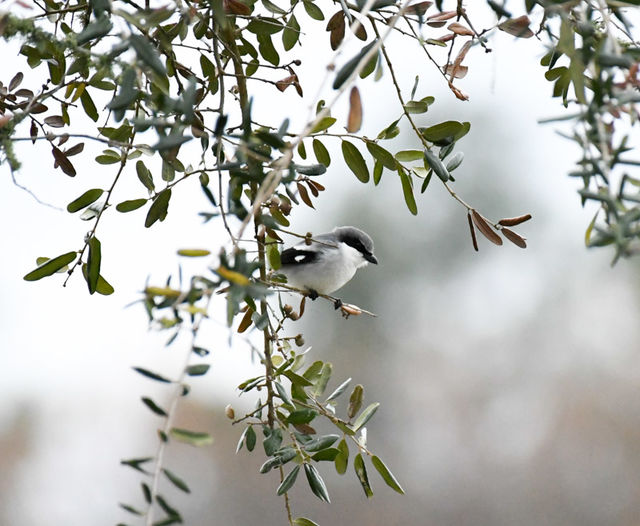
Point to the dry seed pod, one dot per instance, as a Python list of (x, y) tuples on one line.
[(354, 120), (231, 414), (350, 309), (459, 29), (516, 239), (288, 309), (474, 240), (485, 229), (299, 340), (513, 221)]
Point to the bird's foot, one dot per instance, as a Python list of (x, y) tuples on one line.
[(313, 294), (337, 303)]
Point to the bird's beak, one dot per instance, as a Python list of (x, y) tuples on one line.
[(371, 259)]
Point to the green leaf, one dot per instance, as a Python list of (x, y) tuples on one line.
[(329, 454), (323, 124), (338, 390), (102, 287), (251, 438), (144, 175), (321, 383), (436, 165), (262, 25), (455, 161), (342, 460), (377, 172), (409, 155), (390, 131), (136, 463), (131, 205), (148, 54), (272, 441), (282, 392), (345, 72), (127, 93), (313, 10), (382, 155), (198, 369), (386, 475), (93, 263), (407, 190), (159, 208), (320, 443), (291, 33), (302, 521), (302, 416), (96, 29), (361, 472), (170, 142), (321, 152), (194, 438), (176, 480), (89, 106), (151, 375), (445, 133), (355, 161), (288, 481), (365, 416), (316, 483), (193, 252), (155, 408), (51, 266), (355, 401), (267, 49), (90, 196)]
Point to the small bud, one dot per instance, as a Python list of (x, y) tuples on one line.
[(231, 414), (307, 238), (274, 201), (297, 62), (294, 316), (299, 340), (288, 309)]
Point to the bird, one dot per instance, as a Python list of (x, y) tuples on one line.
[(329, 262)]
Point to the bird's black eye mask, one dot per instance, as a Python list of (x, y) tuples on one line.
[(354, 242)]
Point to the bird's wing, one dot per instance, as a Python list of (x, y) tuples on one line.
[(298, 256)]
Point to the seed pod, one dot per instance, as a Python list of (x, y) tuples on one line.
[(513, 221), (516, 239), (485, 229)]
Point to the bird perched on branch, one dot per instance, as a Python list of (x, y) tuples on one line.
[(329, 261)]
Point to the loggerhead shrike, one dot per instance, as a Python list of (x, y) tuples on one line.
[(329, 261)]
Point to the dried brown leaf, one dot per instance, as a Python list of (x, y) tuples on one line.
[(75, 150), (485, 228), (33, 131), (246, 321), (304, 195), (513, 221), (445, 15), (354, 121), (516, 239), (55, 121), (336, 36), (459, 72), (236, 8), (474, 240), (313, 189), (446, 38), (286, 82), (15, 81), (319, 187), (459, 29), (62, 161), (336, 20), (419, 8), (305, 429), (518, 27), (303, 302)]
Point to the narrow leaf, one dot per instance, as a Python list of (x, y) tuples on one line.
[(195, 438), (355, 161), (485, 229), (155, 408), (176, 480), (354, 121), (151, 375), (513, 221), (361, 472), (288, 481), (90, 196), (365, 416), (316, 483), (94, 261), (386, 475), (472, 230), (51, 266), (516, 239)]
